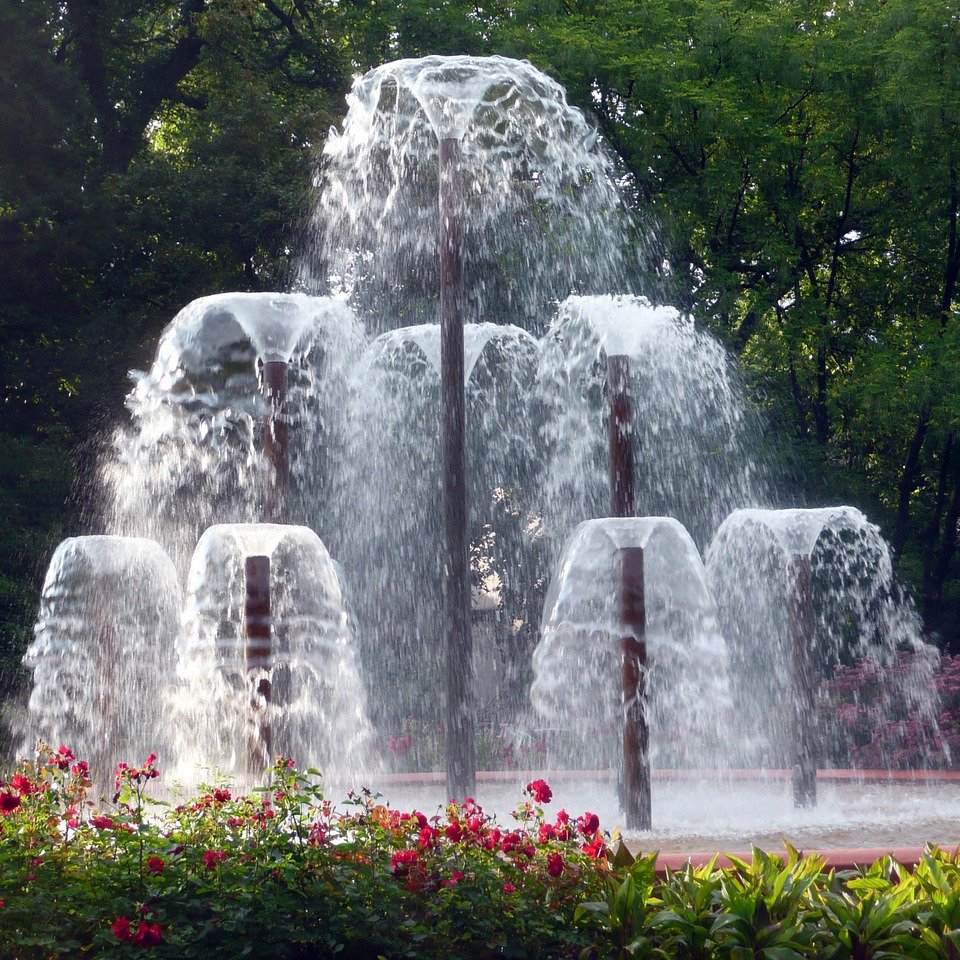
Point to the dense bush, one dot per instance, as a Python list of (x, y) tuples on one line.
[(872, 717), (283, 873)]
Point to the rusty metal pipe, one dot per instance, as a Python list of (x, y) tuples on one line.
[(633, 646), (803, 685), (258, 663), (620, 429), (460, 748)]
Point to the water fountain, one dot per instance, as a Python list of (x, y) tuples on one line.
[(580, 654), (103, 649), (475, 385), (798, 592), (265, 655)]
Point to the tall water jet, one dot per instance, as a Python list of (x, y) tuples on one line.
[(315, 707), (578, 663), (232, 374), (800, 593), (692, 432), (506, 130), (103, 651)]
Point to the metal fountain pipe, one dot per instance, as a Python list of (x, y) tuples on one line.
[(460, 746), (620, 428), (633, 645), (276, 440), (258, 662), (802, 679)]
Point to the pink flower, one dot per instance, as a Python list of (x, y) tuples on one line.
[(509, 888), (554, 864), (540, 791)]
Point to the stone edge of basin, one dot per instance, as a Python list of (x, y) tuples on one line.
[(841, 858)]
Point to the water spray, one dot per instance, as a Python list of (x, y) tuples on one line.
[(276, 440)]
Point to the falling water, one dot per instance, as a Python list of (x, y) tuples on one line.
[(694, 435), (103, 650), (576, 689), (317, 713), (858, 613), (193, 449), (544, 216), (389, 524)]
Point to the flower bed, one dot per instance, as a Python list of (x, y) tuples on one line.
[(284, 873)]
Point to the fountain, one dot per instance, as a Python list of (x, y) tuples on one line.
[(247, 693), (575, 665), (472, 384), (799, 592), (103, 649)]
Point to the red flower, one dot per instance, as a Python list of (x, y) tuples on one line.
[(509, 888), (455, 877), (147, 934), (554, 864), (540, 791), (403, 860), (64, 757), (121, 928), (212, 857), (547, 833), (588, 824), (510, 841), (22, 785), (103, 823), (595, 848), (428, 837), (156, 864), (221, 796), (454, 832), (8, 802)]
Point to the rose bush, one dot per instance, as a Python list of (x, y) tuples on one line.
[(281, 872)]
